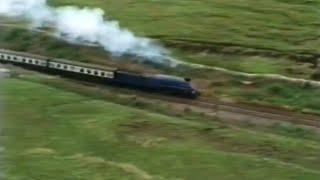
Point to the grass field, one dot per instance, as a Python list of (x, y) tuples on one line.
[(232, 27), (277, 93), (251, 63), (57, 134), (53, 129), (236, 31), (22, 40), (275, 24)]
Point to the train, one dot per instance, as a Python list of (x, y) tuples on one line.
[(158, 83)]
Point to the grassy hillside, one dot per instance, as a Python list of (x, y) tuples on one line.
[(238, 35), (56, 134), (274, 24)]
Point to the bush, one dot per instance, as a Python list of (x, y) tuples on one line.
[(280, 90), (316, 76)]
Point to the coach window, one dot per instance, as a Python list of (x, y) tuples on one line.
[(102, 73), (81, 70), (96, 73), (9, 57), (23, 60), (37, 62), (58, 65), (15, 58), (65, 67), (88, 71)]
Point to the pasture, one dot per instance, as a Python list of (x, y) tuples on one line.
[(54, 133), (54, 129), (281, 25)]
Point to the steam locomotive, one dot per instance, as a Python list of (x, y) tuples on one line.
[(156, 83)]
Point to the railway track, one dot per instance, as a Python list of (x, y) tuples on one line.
[(246, 110), (267, 113), (253, 111)]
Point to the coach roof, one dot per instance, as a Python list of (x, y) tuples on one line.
[(63, 61)]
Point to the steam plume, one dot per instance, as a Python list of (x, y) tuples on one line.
[(83, 25)]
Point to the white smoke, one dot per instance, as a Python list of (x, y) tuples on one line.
[(83, 25)]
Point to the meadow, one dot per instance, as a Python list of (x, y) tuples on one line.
[(280, 25), (57, 129), (249, 36), (55, 133)]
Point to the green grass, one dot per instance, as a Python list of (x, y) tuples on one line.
[(299, 97), (51, 133), (210, 82), (275, 24), (278, 25), (55, 134), (128, 97), (250, 64)]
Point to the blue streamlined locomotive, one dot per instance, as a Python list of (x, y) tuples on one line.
[(158, 83)]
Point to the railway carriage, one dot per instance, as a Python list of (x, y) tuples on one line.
[(83, 71), (80, 71), (27, 61), (57, 66)]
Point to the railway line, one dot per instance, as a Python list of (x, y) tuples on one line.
[(245, 112), (254, 112), (239, 111), (267, 113)]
